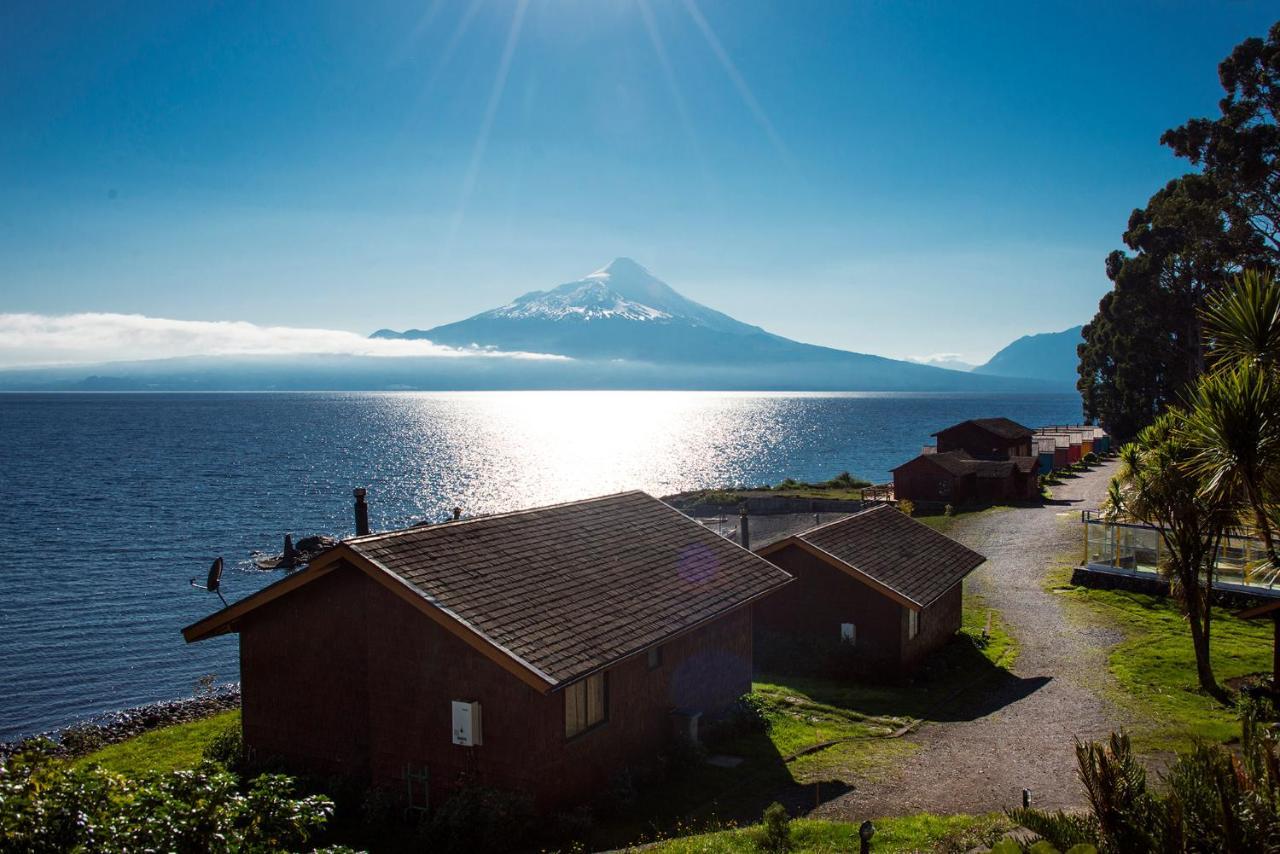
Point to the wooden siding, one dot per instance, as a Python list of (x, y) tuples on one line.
[(345, 677), (822, 597)]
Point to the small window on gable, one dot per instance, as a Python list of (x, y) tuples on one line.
[(586, 704), (849, 634), (913, 624), (655, 657)]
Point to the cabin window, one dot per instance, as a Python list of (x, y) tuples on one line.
[(849, 634), (913, 624), (586, 704), (655, 657), (944, 486)]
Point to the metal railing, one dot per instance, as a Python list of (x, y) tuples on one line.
[(1126, 544)]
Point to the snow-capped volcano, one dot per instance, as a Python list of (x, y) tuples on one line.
[(622, 313), (623, 290)]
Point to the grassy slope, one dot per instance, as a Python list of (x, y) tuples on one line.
[(165, 749), (1154, 666), (911, 833)]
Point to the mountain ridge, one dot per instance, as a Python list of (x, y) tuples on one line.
[(1046, 356), (624, 312)]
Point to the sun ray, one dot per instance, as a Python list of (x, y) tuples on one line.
[(673, 85), (486, 126), (726, 62)]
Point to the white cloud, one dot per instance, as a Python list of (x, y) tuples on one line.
[(42, 339)]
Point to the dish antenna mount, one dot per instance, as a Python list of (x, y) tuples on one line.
[(214, 580)]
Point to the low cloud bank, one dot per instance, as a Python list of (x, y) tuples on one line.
[(30, 340)]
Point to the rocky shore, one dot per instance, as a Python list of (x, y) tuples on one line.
[(111, 727)]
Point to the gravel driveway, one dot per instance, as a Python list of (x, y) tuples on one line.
[(1015, 732)]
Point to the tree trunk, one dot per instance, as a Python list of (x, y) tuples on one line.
[(1197, 604)]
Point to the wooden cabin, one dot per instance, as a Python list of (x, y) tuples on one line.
[(542, 651), (956, 478), (987, 439), (881, 586)]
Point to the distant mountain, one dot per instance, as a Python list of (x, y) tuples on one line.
[(624, 313), (1048, 356), (943, 360)]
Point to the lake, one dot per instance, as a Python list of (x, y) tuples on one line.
[(111, 503)]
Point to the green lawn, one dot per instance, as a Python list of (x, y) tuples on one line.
[(923, 833), (164, 749), (942, 523), (1154, 666)]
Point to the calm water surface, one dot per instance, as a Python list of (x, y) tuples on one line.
[(109, 504)]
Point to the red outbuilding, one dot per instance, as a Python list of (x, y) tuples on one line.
[(987, 439), (542, 651), (956, 478), (885, 588)]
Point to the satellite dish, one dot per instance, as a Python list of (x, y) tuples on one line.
[(213, 581)]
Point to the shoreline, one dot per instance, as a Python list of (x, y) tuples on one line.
[(113, 727)]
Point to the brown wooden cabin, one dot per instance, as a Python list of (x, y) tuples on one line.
[(541, 651), (987, 439), (882, 586), (956, 478)]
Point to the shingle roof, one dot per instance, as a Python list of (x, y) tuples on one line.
[(957, 463), (570, 588), (1006, 428), (891, 548)]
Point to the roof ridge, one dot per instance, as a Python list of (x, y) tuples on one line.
[(360, 539), (825, 525)]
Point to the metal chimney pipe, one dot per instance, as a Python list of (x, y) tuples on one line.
[(744, 528), (362, 512)]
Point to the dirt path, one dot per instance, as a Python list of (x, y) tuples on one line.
[(1013, 733)]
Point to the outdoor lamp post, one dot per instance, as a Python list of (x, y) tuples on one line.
[(865, 832)]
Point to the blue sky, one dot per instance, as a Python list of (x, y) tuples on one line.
[(902, 179)]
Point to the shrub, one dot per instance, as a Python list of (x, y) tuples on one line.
[(949, 510), (621, 796), (49, 805), (481, 819), (1215, 800), (684, 756), (79, 740), (775, 830), (907, 506), (227, 748)]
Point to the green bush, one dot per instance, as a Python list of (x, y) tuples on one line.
[(47, 805), (1212, 799), (227, 748), (906, 505), (775, 830), (480, 819)]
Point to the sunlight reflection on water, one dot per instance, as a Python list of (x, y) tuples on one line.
[(112, 502)]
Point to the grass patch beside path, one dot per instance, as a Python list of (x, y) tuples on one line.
[(1154, 666), (943, 523), (164, 749), (915, 833)]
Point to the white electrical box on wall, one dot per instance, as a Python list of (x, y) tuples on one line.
[(466, 724)]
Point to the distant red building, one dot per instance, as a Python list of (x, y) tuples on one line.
[(541, 651), (886, 587), (980, 461), (987, 439), (958, 479)]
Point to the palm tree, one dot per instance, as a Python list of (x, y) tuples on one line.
[(1157, 484), (1234, 412), (1242, 323), (1233, 427)]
